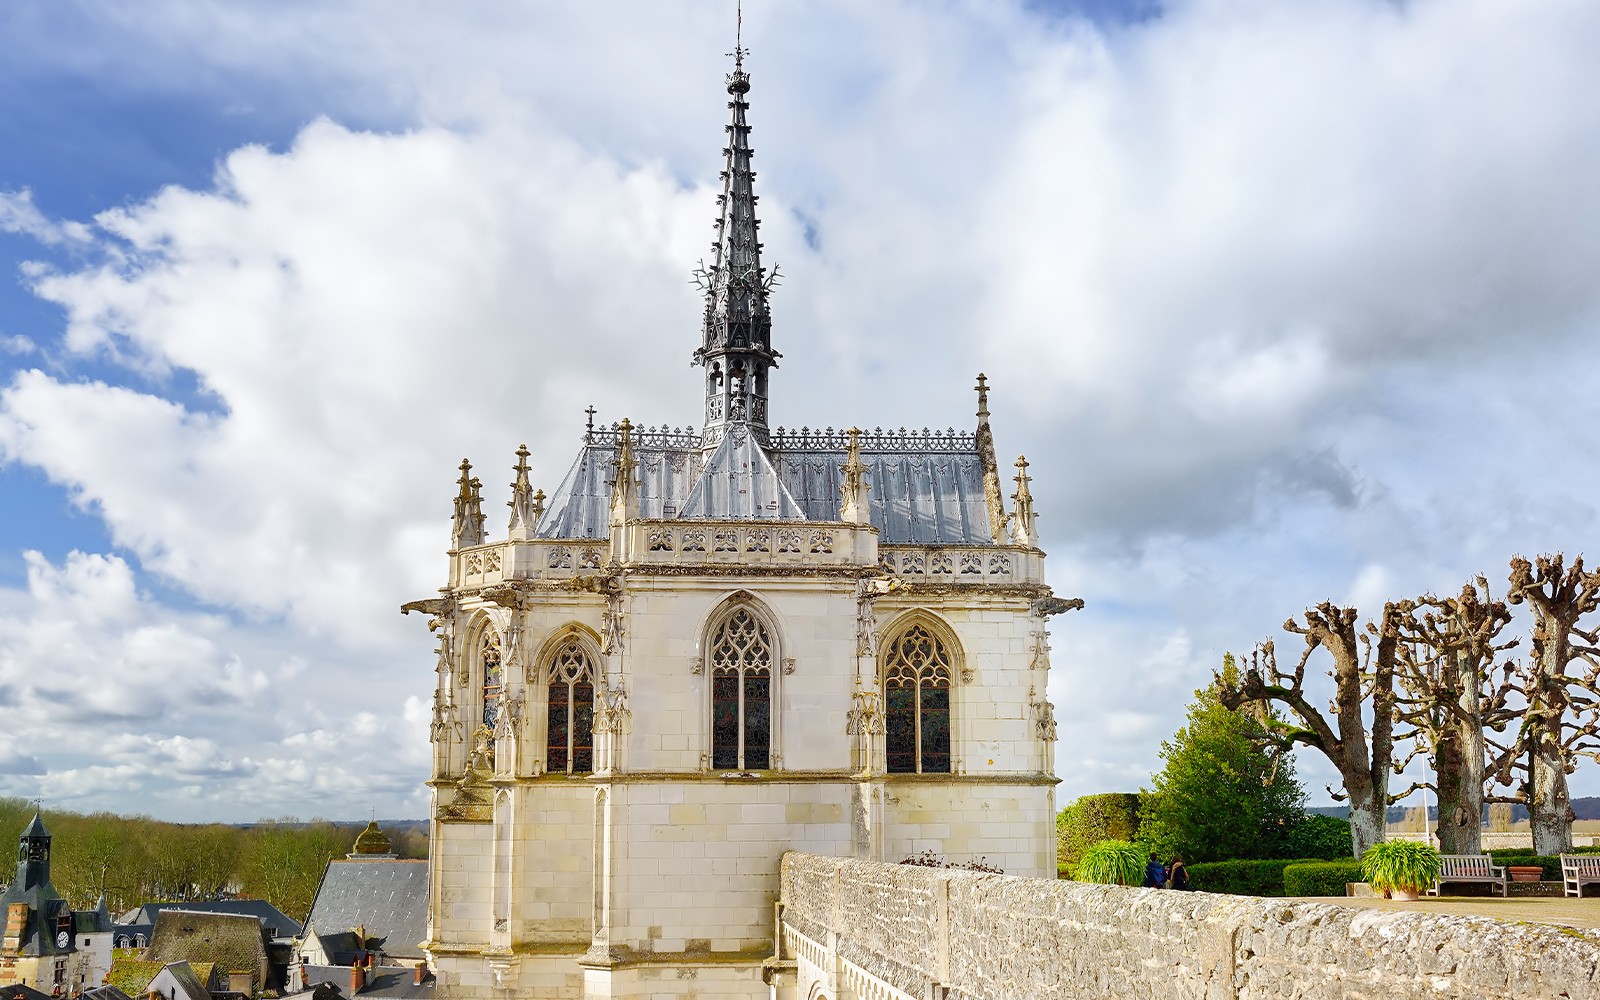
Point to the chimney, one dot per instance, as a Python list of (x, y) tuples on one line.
[(358, 979), (422, 970)]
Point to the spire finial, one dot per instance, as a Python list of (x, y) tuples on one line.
[(525, 508), (467, 525), (853, 488), (736, 347), (983, 397), (1022, 523)]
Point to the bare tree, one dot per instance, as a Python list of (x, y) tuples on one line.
[(1360, 670), (1444, 665), (1560, 723)]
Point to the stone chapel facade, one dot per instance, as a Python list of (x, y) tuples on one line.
[(713, 647)]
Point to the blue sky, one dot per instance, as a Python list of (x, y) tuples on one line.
[(1277, 297)]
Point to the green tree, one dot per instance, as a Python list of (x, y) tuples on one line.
[(1224, 792)]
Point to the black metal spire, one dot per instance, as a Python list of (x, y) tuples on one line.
[(737, 347)]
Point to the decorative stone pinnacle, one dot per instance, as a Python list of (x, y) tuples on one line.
[(524, 509), (853, 487), (1022, 525), (983, 397), (467, 524)]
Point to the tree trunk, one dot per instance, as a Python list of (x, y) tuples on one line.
[(1368, 813), (1459, 764), (1549, 802)]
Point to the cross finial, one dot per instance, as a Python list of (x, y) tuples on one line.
[(591, 411)]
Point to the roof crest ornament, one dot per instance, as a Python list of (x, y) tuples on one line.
[(526, 506), (1023, 530), (853, 489)]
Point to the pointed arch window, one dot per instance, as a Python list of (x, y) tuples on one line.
[(916, 696), (489, 654), (741, 692), (569, 737)]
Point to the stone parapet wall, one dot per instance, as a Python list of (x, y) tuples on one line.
[(998, 937)]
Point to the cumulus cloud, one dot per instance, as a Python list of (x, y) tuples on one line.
[(1268, 291), (137, 702)]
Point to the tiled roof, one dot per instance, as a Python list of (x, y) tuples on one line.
[(107, 992), (393, 982), (387, 898), (132, 976), (232, 940), (21, 992), (273, 920)]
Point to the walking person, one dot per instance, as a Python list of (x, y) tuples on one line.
[(1155, 873), (1178, 874)]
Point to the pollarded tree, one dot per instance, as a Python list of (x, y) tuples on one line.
[(1362, 759), (1448, 698), (1560, 723), (1226, 791)]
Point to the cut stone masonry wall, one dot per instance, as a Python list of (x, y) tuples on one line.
[(866, 928)]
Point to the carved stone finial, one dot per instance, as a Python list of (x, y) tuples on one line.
[(467, 525), (624, 494), (525, 508), (984, 438), (1023, 531), (983, 397), (853, 489)]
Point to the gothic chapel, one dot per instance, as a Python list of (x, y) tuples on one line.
[(710, 648)]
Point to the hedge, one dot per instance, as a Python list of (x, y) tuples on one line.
[(1093, 818), (1242, 878), (1320, 878), (1524, 857)]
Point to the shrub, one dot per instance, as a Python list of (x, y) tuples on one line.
[(1400, 864), (1320, 878), (1319, 836), (1524, 857), (1094, 818), (1241, 878), (1114, 862)]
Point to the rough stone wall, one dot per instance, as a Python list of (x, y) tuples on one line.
[(997, 937)]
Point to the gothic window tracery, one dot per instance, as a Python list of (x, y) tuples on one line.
[(569, 736), (489, 656), (741, 692), (916, 688)]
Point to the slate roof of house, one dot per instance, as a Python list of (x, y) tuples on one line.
[(93, 921), (183, 976), (274, 921), (106, 992), (388, 898), (394, 982), (18, 991), (131, 976), (927, 486), (232, 940)]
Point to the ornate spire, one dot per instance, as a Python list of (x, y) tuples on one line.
[(737, 346), (853, 489), (991, 467), (467, 527), (624, 493), (526, 506), (1022, 527)]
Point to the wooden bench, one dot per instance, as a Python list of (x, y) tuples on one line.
[(1470, 868), (1577, 870)]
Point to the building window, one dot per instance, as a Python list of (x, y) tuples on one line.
[(490, 655), (741, 693), (916, 685), (569, 743)]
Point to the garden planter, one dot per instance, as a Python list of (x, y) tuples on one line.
[(1405, 895), (1526, 873)]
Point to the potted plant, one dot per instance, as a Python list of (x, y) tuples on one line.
[(1400, 869), (1113, 862)]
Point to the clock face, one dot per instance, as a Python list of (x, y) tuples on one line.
[(62, 939)]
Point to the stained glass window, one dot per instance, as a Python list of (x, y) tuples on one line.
[(741, 693), (569, 741), (490, 655), (916, 690)]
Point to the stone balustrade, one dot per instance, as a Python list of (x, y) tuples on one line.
[(901, 932)]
